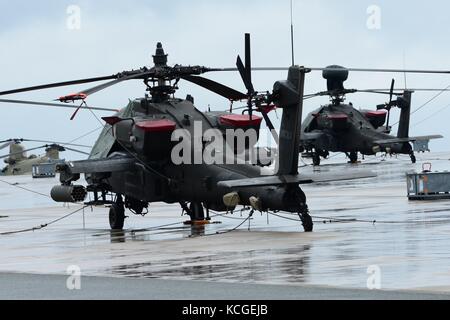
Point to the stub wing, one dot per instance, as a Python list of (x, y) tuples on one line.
[(410, 139), (295, 179), (310, 136), (99, 165)]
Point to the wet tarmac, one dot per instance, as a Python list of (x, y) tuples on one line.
[(52, 287), (358, 224)]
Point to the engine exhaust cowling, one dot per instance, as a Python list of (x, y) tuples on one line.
[(70, 194)]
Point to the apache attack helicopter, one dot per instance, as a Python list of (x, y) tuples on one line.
[(131, 165), (18, 163), (339, 127)]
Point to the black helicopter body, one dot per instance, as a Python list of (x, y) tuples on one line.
[(132, 160), (132, 165), (340, 127), (345, 129), (146, 162)]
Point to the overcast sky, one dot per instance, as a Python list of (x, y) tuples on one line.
[(36, 46)]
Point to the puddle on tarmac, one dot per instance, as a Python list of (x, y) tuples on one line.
[(249, 266)]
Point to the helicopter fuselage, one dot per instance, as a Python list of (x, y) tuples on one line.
[(23, 166), (342, 128), (153, 176)]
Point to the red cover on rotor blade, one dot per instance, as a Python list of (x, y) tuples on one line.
[(73, 97)]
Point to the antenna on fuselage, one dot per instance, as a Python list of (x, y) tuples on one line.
[(292, 33), (404, 74)]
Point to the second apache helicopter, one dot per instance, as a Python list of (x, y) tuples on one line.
[(18, 163), (339, 127), (131, 164)]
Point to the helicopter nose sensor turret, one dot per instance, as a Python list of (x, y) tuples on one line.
[(335, 76), (160, 58)]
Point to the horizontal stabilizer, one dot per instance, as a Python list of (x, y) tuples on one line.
[(295, 179), (410, 139)]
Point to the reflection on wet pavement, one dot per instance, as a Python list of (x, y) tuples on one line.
[(357, 224), (247, 266)]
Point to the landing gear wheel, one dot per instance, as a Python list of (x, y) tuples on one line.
[(353, 157), (307, 222), (197, 211), (116, 216), (316, 159)]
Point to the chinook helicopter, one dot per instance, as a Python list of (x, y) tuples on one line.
[(132, 163), (18, 163), (339, 127)]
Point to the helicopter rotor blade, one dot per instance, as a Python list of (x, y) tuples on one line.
[(391, 91), (390, 70), (375, 91), (184, 72), (216, 87), (82, 95), (389, 105), (58, 105), (54, 142), (386, 91), (270, 126), (244, 75), (6, 145), (23, 151), (75, 150), (349, 69), (248, 62), (143, 73), (58, 84)]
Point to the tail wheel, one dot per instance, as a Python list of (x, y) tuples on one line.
[(117, 216)]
